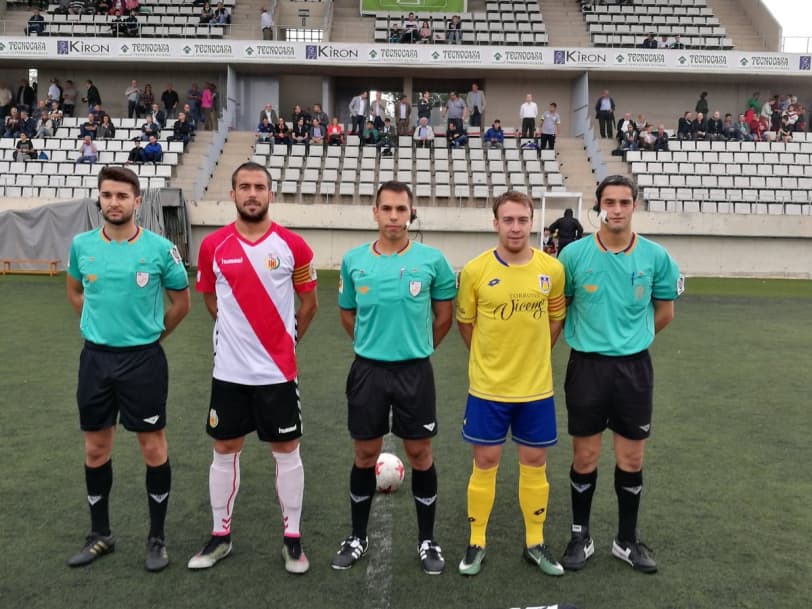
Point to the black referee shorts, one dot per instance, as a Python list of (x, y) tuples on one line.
[(130, 383), (406, 388), (613, 392)]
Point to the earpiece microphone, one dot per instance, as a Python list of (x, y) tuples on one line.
[(602, 215)]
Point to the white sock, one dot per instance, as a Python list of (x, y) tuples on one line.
[(290, 489), (224, 482)]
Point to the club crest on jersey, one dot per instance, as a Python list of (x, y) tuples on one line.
[(214, 420), (141, 279), (414, 287), (544, 284), (272, 262)]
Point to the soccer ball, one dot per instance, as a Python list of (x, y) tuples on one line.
[(389, 473)]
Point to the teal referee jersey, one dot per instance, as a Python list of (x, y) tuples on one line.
[(123, 285), (612, 294), (391, 296)]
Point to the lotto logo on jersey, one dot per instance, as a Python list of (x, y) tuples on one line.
[(272, 262)]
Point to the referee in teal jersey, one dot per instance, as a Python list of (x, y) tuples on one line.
[(620, 289), (117, 277), (395, 298)]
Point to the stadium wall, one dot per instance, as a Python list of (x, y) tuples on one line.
[(703, 244)]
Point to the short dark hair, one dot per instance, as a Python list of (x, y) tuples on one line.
[(615, 180), (512, 196), (120, 174), (554, 105), (251, 166), (394, 186)]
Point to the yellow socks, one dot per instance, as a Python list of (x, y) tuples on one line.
[(481, 494), (534, 492)]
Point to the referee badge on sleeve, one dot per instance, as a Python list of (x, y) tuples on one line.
[(141, 279), (414, 287), (680, 285)]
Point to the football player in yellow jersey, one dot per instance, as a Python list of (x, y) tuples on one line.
[(510, 311)]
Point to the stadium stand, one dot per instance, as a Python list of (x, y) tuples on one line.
[(626, 25)]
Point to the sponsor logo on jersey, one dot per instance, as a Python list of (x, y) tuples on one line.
[(231, 260), (680, 284), (312, 269), (414, 287), (141, 279), (544, 284)]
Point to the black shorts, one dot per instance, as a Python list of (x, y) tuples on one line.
[(406, 388), (613, 392), (273, 411), (128, 383)]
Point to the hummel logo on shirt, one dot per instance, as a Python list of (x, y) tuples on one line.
[(152, 420), (231, 260), (430, 426), (159, 498), (94, 499)]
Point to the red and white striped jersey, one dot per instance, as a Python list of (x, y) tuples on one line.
[(255, 332)]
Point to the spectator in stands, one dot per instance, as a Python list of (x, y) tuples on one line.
[(89, 127), (605, 114), (649, 42), (28, 124), (26, 97), (281, 132), (170, 100), (266, 24), (716, 126), (207, 107), (150, 128), (800, 121), (317, 133), (56, 115), (729, 130), (181, 130), (629, 137), (423, 134), (222, 16), (424, 33), (106, 130), (35, 25), (146, 101), (88, 153), (136, 152), (550, 126), (494, 137), (98, 113), (685, 127), (665, 42), (529, 144), (264, 130), (320, 114), (453, 31), (476, 105), (528, 112), (758, 125), (300, 134), (54, 91), (358, 112), (370, 135), (133, 95), (5, 100), (646, 138), (388, 139), (677, 43), (158, 115), (206, 14), (702, 103), (395, 34), (640, 123), (378, 111), (11, 126), (455, 138), (754, 102), (547, 242), (62, 7), (623, 125), (784, 133), (103, 6), (700, 126), (153, 153), (566, 230), (424, 106), (78, 7), (24, 149), (410, 29), (455, 110), (743, 130), (403, 111), (269, 113), (296, 114), (661, 139), (193, 100), (335, 133)]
